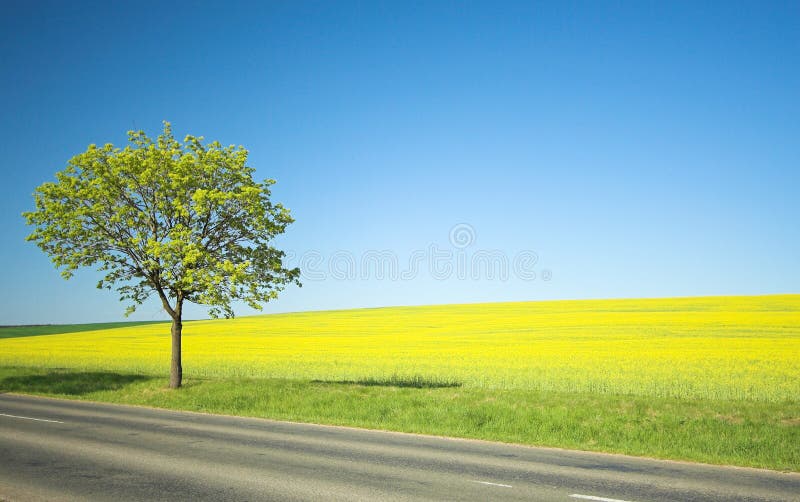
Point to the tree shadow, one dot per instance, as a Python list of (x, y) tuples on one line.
[(417, 382), (69, 383)]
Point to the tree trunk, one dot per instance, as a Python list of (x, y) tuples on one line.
[(175, 369)]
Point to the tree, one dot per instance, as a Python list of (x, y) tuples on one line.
[(184, 221)]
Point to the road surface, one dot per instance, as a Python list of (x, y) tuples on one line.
[(67, 450)]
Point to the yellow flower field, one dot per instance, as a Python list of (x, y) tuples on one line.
[(739, 348)]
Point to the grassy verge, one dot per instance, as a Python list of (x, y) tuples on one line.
[(742, 433)]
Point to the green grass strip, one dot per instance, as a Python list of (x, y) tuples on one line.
[(743, 433), (57, 329)]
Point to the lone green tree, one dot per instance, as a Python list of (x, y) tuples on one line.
[(183, 221)]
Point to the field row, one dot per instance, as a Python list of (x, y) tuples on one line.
[(728, 348)]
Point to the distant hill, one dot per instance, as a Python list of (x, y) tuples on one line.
[(55, 329)]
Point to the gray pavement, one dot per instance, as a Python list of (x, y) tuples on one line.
[(68, 450)]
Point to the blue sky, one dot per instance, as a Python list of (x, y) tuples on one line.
[(638, 149)]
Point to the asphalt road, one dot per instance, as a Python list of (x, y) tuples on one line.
[(67, 450)]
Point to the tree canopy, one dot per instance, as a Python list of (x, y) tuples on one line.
[(183, 221)]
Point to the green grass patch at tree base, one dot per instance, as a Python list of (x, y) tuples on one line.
[(744, 433)]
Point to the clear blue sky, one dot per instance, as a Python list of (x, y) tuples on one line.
[(639, 149)]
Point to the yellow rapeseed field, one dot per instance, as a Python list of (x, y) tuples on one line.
[(740, 348)]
